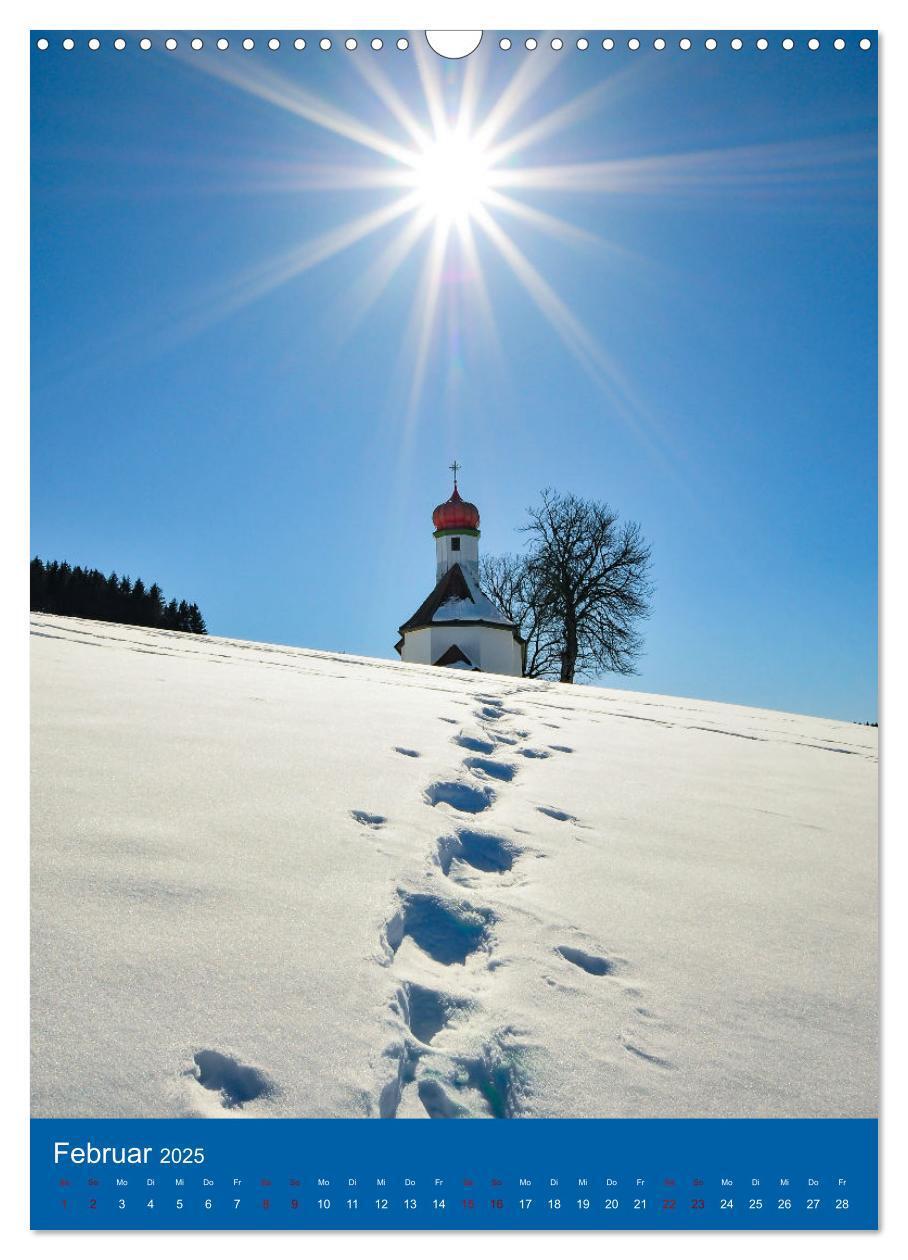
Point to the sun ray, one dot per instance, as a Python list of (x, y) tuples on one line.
[(323, 177), (378, 275), (392, 100), (596, 362), (427, 65), (551, 224), (269, 86), (703, 171), (638, 267), (484, 307), (591, 101), (575, 337), (165, 329), (255, 283), (473, 78), (549, 124), (526, 80), (424, 313)]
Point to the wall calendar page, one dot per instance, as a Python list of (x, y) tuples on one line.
[(454, 747)]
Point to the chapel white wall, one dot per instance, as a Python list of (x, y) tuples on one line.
[(494, 650), (417, 647)]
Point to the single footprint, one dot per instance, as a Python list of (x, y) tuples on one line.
[(368, 820), (447, 931), (493, 769), (484, 852), (237, 1083), (473, 744), (593, 964), (559, 815), (654, 1059), (426, 1011), (535, 754), (460, 796), (407, 752), (560, 748), (437, 1103)]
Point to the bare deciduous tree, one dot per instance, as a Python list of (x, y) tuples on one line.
[(591, 575), (578, 592)]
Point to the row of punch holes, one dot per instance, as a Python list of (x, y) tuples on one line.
[(505, 43)]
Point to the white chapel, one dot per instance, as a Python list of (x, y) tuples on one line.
[(458, 626)]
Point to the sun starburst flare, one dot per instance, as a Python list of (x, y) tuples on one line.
[(450, 176)]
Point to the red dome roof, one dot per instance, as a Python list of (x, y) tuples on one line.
[(456, 513)]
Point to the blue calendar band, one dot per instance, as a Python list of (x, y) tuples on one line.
[(408, 1174)]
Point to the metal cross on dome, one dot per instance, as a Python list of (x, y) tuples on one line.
[(454, 468)]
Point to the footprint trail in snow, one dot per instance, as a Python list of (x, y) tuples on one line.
[(453, 1055)]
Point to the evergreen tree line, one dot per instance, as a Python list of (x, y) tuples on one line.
[(77, 592)]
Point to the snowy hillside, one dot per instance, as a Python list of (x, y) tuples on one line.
[(275, 882)]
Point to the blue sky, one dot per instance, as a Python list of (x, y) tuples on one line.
[(263, 452)]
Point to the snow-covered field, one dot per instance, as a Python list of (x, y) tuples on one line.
[(275, 882)]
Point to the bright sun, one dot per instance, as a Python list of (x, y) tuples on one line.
[(451, 175), (457, 168)]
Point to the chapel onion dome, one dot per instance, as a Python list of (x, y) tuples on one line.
[(456, 513)]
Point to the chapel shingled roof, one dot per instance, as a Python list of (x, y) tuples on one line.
[(457, 598), (452, 585)]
